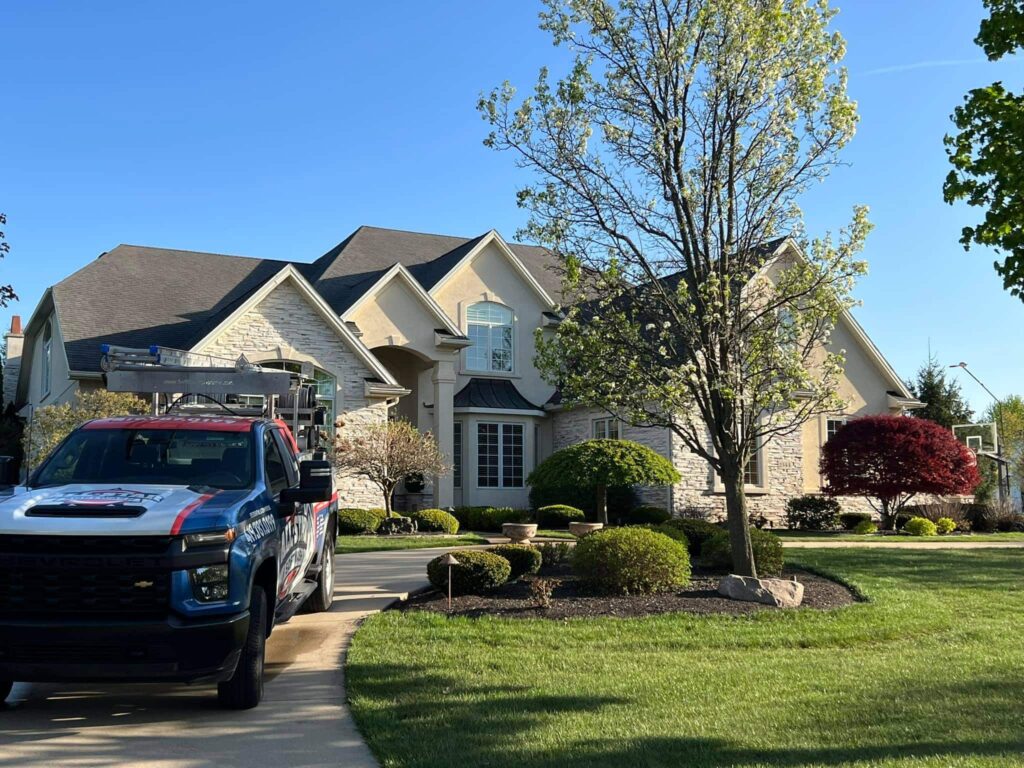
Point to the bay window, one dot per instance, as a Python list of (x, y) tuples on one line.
[(499, 449)]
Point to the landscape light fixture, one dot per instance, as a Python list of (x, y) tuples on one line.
[(450, 561)]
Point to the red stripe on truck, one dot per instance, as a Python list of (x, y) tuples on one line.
[(180, 519)]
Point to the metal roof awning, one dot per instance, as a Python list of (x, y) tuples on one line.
[(494, 395)]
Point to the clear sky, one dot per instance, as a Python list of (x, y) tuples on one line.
[(234, 127)]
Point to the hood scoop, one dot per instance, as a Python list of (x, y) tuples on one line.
[(84, 510)]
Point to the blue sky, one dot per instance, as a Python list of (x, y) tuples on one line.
[(236, 128)]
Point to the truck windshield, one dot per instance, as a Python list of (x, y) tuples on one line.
[(151, 456)]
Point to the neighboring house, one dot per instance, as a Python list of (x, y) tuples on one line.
[(438, 330)]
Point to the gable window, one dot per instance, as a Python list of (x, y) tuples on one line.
[(47, 372), (499, 449), (457, 455), (606, 429), (489, 327), (832, 426)]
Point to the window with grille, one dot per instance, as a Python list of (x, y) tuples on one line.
[(457, 455), (606, 429), (752, 471), (832, 426), (500, 450), (489, 327)]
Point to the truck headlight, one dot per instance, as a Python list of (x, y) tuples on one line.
[(210, 583), (209, 539)]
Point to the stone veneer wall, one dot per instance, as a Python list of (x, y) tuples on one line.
[(696, 492), (284, 326)]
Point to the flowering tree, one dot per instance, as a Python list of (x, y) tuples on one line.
[(53, 423), (668, 164), (890, 459), (386, 453), (599, 464)]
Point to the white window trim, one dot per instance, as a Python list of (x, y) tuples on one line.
[(501, 456), (463, 309), (46, 375), (608, 421), (824, 425), (762, 487), (460, 427)]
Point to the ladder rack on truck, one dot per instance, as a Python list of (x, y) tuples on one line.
[(199, 383)]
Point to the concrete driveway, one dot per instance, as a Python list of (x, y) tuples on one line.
[(302, 721)]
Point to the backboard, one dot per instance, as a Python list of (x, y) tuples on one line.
[(980, 438)]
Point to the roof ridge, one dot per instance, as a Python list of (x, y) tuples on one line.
[(200, 253)]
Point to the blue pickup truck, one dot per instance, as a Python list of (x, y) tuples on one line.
[(163, 548)]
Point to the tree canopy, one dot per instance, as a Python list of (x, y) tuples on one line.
[(667, 165), (602, 463), (944, 402), (891, 459), (986, 153)]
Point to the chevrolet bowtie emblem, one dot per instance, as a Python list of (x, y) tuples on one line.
[(143, 584)]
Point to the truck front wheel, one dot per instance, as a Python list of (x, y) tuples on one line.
[(245, 688)]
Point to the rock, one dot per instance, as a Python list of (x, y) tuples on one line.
[(777, 592), (397, 525)]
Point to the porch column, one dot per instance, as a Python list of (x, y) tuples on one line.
[(444, 429)]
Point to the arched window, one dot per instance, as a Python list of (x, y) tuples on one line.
[(47, 371), (326, 385), (489, 327)]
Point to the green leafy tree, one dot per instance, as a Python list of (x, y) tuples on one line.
[(599, 464), (51, 424), (944, 402), (667, 165), (7, 294), (1009, 417), (986, 153)]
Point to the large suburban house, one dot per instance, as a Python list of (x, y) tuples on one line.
[(437, 330)]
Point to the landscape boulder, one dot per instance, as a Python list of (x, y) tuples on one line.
[(777, 592)]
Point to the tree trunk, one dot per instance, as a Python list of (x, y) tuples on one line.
[(602, 504), (888, 516), (739, 524), (388, 491)]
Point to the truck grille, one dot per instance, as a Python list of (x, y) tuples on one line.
[(84, 577)]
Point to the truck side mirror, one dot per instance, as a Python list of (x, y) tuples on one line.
[(316, 483)]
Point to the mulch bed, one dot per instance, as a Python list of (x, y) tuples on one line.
[(571, 599)]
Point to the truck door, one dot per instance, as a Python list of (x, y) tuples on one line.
[(281, 473)]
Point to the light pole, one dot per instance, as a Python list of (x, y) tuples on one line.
[(1003, 495)]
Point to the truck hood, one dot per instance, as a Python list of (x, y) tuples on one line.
[(116, 510)]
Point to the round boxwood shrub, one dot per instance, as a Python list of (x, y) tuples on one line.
[(476, 572), (945, 525), (489, 519), (646, 514), (812, 513), (559, 516), (631, 561), (920, 526), (696, 532), (435, 520), (522, 558), (850, 520), (864, 527), (717, 552), (353, 522)]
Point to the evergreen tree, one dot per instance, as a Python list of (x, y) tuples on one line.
[(944, 401)]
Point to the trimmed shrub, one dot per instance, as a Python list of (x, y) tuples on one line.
[(945, 525), (864, 527), (919, 526), (554, 552), (490, 519), (902, 519), (768, 557), (353, 522), (522, 559), (559, 516), (476, 572), (633, 561), (980, 517), (621, 498), (849, 520), (435, 520), (645, 514), (696, 532), (812, 513)]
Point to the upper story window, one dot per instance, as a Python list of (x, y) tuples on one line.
[(47, 371), (489, 327), (832, 426), (606, 429)]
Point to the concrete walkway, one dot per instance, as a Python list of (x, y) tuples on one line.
[(902, 544), (303, 720)]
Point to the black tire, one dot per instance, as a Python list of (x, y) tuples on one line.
[(5, 689), (323, 597), (245, 688)]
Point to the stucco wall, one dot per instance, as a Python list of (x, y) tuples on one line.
[(283, 326)]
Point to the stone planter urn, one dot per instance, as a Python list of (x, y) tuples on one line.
[(519, 533), (582, 529)]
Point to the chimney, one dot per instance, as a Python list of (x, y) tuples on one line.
[(15, 340)]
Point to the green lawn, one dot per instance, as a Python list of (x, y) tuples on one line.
[(350, 544), (929, 673), (875, 538)]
